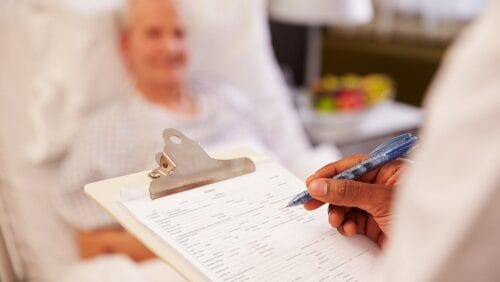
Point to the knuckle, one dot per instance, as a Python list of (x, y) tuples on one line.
[(346, 191), (381, 203), (340, 191)]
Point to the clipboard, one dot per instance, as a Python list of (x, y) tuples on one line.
[(219, 232), (183, 165)]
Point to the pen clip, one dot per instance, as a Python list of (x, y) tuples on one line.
[(391, 144)]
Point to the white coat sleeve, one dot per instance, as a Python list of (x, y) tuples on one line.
[(446, 213)]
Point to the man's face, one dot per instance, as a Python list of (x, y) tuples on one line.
[(154, 45)]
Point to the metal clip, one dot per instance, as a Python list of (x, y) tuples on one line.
[(184, 165)]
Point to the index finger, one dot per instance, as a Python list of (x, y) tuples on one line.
[(337, 167)]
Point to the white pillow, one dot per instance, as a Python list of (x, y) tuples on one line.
[(81, 69), (35, 228)]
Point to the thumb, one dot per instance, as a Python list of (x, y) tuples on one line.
[(373, 198)]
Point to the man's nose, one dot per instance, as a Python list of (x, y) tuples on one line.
[(172, 45)]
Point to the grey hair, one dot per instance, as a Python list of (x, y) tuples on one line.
[(122, 20), (121, 16)]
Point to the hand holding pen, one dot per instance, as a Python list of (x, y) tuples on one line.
[(362, 206)]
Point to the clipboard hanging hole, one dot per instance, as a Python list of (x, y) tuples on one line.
[(175, 139), (165, 166)]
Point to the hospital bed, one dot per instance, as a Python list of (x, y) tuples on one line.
[(53, 58), (52, 76)]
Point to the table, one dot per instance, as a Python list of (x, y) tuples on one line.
[(360, 133)]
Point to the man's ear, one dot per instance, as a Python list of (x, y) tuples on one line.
[(123, 42)]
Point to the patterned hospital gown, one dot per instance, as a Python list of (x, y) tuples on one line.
[(125, 136)]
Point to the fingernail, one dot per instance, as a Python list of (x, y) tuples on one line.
[(330, 209), (318, 188)]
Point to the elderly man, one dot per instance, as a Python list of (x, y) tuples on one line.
[(123, 137)]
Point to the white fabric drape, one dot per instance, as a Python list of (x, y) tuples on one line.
[(446, 214)]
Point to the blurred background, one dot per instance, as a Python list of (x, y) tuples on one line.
[(404, 40), (342, 74)]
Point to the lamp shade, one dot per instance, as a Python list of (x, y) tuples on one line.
[(321, 12), (432, 10)]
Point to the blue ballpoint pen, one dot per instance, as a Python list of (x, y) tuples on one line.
[(386, 152)]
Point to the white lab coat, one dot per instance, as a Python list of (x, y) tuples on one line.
[(446, 213)]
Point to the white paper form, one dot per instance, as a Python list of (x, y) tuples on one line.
[(240, 230)]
